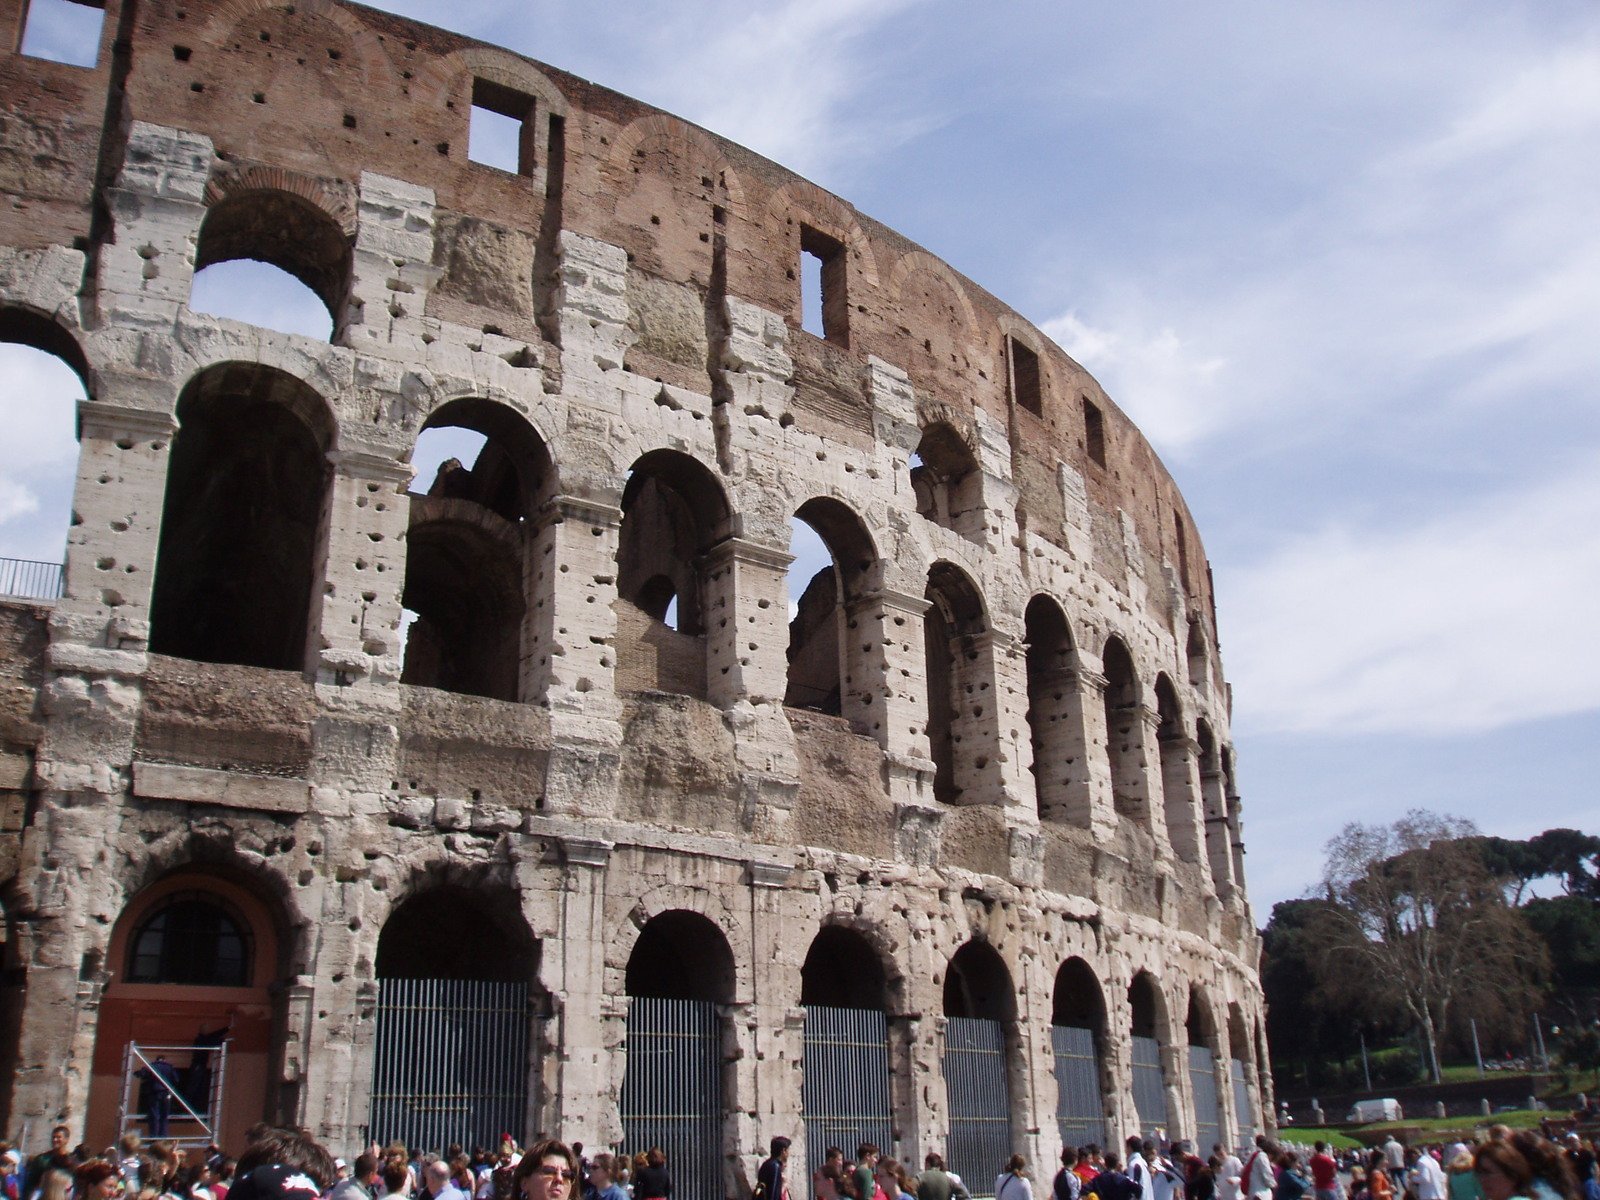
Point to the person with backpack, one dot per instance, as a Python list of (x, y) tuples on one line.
[(1013, 1183)]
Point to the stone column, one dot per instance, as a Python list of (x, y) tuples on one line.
[(777, 1035), (588, 1068), (1122, 1115), (1219, 849), (392, 268), (1180, 1090), (569, 647), (1035, 1120), (1180, 792), (1060, 764), (1100, 804), (903, 711), (1227, 1115)]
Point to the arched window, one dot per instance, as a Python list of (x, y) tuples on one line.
[(1149, 1035), (834, 565), (1203, 1064), (191, 939), (980, 1057), (1077, 1033), (946, 481), (956, 693), (1055, 716), (1177, 780), (1125, 735)]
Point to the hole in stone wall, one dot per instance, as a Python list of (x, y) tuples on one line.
[(946, 481), (64, 31), (500, 128), (824, 299), (39, 393), (1094, 432), (1026, 389)]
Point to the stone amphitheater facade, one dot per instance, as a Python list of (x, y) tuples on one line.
[(983, 774)]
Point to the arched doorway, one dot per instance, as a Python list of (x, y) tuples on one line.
[(196, 969), (680, 975), (1203, 1073), (845, 1090), (1149, 1082), (1077, 1027), (1239, 1070), (955, 620), (980, 1008), (456, 1016)]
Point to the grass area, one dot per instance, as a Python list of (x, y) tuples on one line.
[(1307, 1137), (1522, 1118)]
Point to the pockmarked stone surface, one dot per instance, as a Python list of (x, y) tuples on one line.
[(304, 724)]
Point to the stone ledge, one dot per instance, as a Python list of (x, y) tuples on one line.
[(230, 789)]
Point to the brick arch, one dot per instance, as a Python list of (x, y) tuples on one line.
[(440, 76), (374, 61), (335, 203), (914, 261), (826, 212), (691, 144)]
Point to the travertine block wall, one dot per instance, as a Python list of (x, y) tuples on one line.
[(631, 291)]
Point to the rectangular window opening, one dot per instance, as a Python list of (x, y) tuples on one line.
[(1025, 386), (1094, 432), (64, 31), (501, 128), (824, 301)]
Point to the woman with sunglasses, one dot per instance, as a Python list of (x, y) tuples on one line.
[(547, 1172)]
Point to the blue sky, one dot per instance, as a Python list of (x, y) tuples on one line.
[(1341, 262)]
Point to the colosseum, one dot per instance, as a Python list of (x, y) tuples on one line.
[(532, 795)]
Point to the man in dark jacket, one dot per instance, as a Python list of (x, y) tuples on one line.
[(1112, 1184), (770, 1175)]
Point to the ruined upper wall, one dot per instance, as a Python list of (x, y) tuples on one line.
[(307, 96)]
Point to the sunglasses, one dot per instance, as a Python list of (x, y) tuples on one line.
[(560, 1173)]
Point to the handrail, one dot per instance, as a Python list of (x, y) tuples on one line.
[(30, 579)]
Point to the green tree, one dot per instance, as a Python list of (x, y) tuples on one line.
[(1416, 916)]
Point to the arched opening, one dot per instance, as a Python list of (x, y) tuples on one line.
[(1125, 734), (980, 1008), (957, 695), (42, 374), (1214, 801), (196, 968), (13, 989), (673, 512), (835, 566), (1149, 1034), (1177, 782), (946, 481), (1077, 1030), (845, 1087), (457, 1019), (274, 259), (482, 475), (1241, 1067), (1203, 1061), (679, 975), (245, 504), (1195, 652), (1055, 716)]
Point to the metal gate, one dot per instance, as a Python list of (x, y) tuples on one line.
[(450, 1062), (845, 1091), (1149, 1089), (979, 1097), (672, 1091), (1242, 1112), (1080, 1108), (1203, 1086)]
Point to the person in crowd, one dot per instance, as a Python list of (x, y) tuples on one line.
[(1229, 1172), (936, 1182), (1379, 1184), (1394, 1156), (893, 1180), (437, 1183), (1166, 1177), (1324, 1173), (549, 1171), (863, 1185), (652, 1181), (1138, 1169), (771, 1176), (11, 1174), (1067, 1185), (1503, 1172), (1089, 1165), (96, 1180), (1113, 1182), (57, 1158), (55, 1184), (283, 1164), (1424, 1177), (364, 1181), (1256, 1178), (1203, 1184), (1460, 1181), (1292, 1183), (1013, 1183), (603, 1178), (826, 1180), (396, 1180)]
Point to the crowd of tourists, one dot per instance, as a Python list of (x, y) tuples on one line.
[(286, 1164)]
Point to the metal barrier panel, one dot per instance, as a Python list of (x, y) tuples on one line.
[(1149, 1089), (978, 1092), (1203, 1086), (1243, 1113), (28, 579), (845, 1090), (672, 1091), (1080, 1108), (450, 1062)]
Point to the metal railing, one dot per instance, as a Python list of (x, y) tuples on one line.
[(1080, 1108), (28, 579), (1149, 1086), (672, 1091), (845, 1088), (978, 1093)]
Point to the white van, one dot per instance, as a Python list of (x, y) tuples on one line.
[(1366, 1111)]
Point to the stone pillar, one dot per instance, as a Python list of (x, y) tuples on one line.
[(1180, 1089), (1227, 1113), (1219, 849), (903, 692), (1180, 792), (1138, 779), (777, 1035), (569, 647), (1061, 760), (1040, 1134), (1122, 1115), (591, 305), (588, 1068), (986, 665), (1101, 806), (392, 269), (336, 1064)]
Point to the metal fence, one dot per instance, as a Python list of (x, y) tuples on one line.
[(451, 1062), (1149, 1088), (979, 1097), (1080, 1109), (672, 1091), (27, 579), (1242, 1112), (845, 1090), (1203, 1086)]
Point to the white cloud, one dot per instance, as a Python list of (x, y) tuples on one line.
[(1479, 618), (16, 500)]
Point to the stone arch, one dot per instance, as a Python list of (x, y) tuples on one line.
[(674, 511), (681, 139), (799, 200), (729, 923), (983, 1068), (831, 671), (1055, 715), (957, 707), (846, 968), (1195, 652), (227, 15), (27, 326), (1151, 1026), (946, 480), (1214, 806), (1079, 1032), (913, 262), (470, 928), (1205, 1066), (682, 955), (1178, 784), (1125, 734), (440, 77), (978, 984), (245, 506), (294, 224)]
